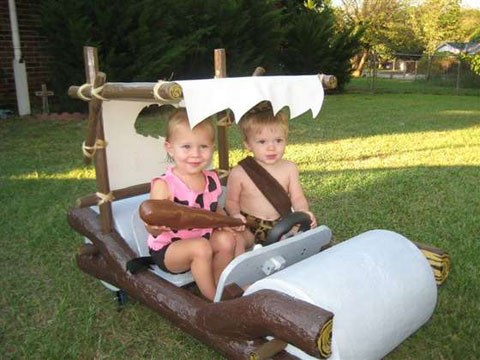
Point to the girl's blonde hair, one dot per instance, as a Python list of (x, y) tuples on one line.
[(259, 117), (179, 117)]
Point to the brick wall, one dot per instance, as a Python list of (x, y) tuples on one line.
[(32, 45)]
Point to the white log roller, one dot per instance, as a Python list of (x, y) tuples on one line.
[(378, 284)]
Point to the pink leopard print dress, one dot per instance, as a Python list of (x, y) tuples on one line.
[(182, 194)]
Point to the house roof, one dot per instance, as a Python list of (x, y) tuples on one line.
[(457, 47)]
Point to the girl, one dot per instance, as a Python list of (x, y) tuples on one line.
[(205, 251)]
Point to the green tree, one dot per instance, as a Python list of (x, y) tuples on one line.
[(377, 18), (470, 25), (314, 44), (435, 21)]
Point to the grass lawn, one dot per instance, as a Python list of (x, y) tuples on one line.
[(419, 86), (405, 162)]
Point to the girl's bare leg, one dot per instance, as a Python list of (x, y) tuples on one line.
[(196, 255), (223, 245)]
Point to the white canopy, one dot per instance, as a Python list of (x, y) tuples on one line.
[(203, 98)]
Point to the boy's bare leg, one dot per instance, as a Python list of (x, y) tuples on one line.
[(196, 255)]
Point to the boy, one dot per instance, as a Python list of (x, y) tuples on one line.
[(265, 135)]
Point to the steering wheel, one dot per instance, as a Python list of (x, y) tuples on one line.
[(286, 224)]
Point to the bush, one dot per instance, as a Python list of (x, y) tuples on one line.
[(146, 40), (313, 43)]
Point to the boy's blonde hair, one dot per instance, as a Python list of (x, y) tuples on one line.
[(259, 117), (179, 117)]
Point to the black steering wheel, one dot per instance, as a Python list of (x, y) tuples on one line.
[(286, 224)]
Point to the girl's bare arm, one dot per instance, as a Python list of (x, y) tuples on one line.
[(159, 191)]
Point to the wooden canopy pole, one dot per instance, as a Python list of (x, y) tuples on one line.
[(222, 131), (166, 92), (96, 138)]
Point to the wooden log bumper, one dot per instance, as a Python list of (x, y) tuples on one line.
[(270, 313), (171, 92), (196, 316)]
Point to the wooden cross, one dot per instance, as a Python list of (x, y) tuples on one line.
[(44, 94)]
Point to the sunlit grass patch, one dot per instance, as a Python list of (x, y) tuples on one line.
[(82, 173)]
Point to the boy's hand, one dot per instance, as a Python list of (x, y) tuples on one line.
[(156, 230)]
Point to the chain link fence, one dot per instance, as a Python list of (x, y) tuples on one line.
[(439, 73)]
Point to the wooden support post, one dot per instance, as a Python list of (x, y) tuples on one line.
[(90, 57), (222, 130), (118, 194), (103, 184), (95, 131)]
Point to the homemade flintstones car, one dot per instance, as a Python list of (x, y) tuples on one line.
[(355, 300)]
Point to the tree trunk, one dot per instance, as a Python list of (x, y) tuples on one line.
[(359, 64)]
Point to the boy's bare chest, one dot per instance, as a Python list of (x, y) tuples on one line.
[(250, 187)]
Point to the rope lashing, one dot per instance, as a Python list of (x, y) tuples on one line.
[(225, 121), (104, 198), (156, 90), (89, 151), (80, 93), (95, 92), (222, 173)]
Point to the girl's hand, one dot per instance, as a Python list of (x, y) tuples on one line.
[(228, 229), (241, 227), (156, 230), (312, 217)]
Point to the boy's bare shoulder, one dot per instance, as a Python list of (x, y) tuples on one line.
[(237, 173), (237, 170), (288, 165)]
